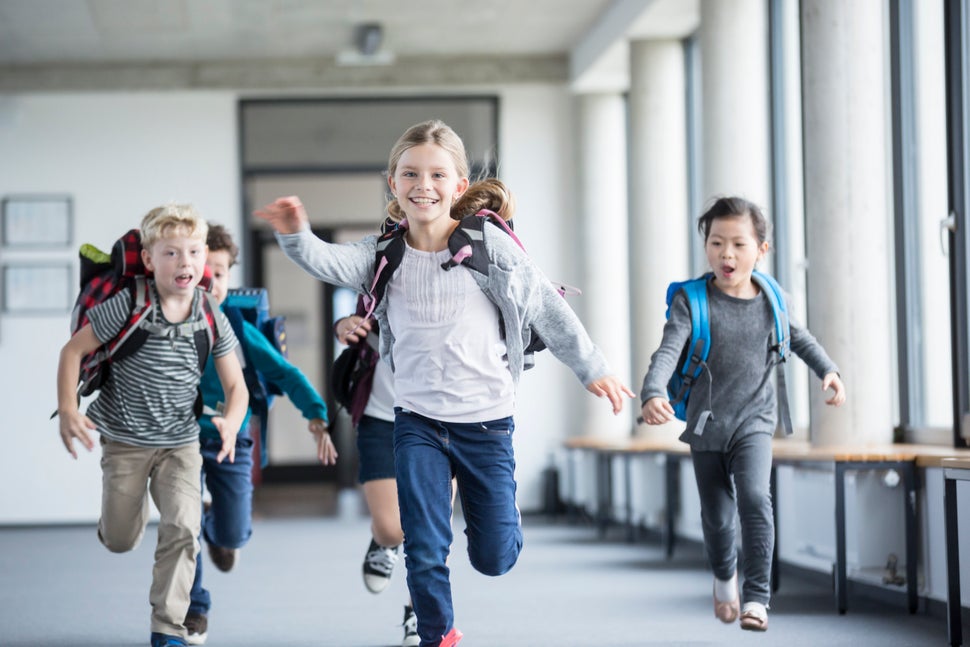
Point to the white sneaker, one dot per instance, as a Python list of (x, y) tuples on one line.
[(754, 616), (378, 566), (411, 638)]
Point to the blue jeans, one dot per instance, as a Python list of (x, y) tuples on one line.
[(229, 522), (427, 454), (748, 497)]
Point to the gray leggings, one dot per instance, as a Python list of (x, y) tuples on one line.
[(749, 495)]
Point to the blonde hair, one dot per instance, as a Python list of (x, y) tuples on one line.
[(432, 131), (172, 220), (490, 193)]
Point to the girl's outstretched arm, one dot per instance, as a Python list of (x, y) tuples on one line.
[(286, 215), (834, 382), (612, 388)]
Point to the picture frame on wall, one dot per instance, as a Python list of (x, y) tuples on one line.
[(36, 288), (36, 221)]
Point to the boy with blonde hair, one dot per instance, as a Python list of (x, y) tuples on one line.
[(145, 411)]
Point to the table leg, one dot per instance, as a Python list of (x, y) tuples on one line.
[(841, 595), (672, 496), (773, 485), (912, 536), (953, 620)]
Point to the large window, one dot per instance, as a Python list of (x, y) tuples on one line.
[(929, 413)]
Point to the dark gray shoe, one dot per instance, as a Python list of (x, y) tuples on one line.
[(197, 627)]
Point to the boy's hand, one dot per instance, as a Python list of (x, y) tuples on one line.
[(834, 382), (75, 425), (610, 387), (326, 451), (286, 215), (657, 411), (228, 440)]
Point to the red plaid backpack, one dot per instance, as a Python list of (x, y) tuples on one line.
[(102, 277)]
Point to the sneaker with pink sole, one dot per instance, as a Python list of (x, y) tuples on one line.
[(451, 638)]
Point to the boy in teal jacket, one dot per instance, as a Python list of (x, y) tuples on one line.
[(227, 522)]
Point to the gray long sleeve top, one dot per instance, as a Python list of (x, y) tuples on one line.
[(735, 395), (526, 299)]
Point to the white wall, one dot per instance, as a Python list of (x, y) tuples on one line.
[(118, 155)]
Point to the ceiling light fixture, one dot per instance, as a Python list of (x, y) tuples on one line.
[(368, 38)]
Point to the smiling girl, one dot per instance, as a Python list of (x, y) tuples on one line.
[(456, 342), (732, 413)]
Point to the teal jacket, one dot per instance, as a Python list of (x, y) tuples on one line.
[(275, 368)]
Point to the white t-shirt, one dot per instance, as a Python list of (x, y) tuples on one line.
[(449, 356), (380, 402)]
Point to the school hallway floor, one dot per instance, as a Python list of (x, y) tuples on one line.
[(298, 584)]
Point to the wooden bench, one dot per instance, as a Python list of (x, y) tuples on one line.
[(672, 452), (604, 450), (901, 458), (904, 458)]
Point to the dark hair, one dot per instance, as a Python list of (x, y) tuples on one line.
[(219, 240), (728, 207)]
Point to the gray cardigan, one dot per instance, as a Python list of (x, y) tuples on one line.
[(525, 298), (735, 395)]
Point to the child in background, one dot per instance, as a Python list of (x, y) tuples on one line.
[(227, 521), (456, 342), (375, 447), (145, 412), (732, 411)]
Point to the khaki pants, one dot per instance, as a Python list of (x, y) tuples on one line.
[(172, 476)]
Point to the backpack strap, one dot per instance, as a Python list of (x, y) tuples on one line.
[(387, 258), (213, 330), (258, 402), (779, 308), (700, 331), (469, 238), (204, 330), (236, 320), (781, 338)]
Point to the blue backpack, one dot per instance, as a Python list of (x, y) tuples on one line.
[(252, 305), (693, 359)]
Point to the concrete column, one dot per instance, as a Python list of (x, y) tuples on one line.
[(604, 234), (659, 219), (848, 212), (736, 125)]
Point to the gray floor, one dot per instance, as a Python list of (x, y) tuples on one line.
[(298, 584)]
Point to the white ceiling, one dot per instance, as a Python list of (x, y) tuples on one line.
[(60, 31), (104, 44)]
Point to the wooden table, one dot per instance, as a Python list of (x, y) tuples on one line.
[(899, 457)]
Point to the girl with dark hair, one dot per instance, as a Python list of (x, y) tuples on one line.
[(732, 411)]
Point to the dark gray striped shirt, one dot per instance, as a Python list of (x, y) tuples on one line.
[(149, 396)]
